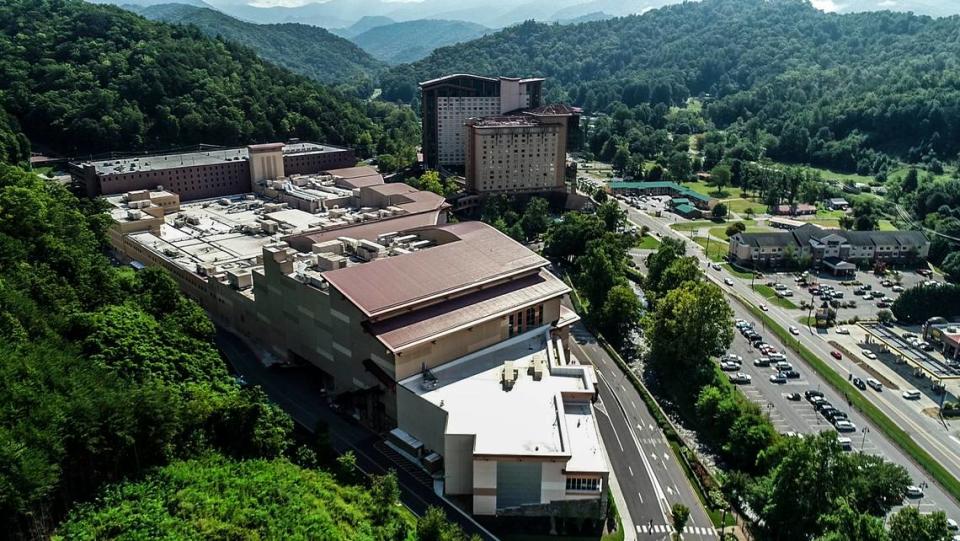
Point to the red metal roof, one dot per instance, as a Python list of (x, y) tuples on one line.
[(403, 331), (477, 255)]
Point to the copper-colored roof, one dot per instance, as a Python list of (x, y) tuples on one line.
[(403, 331), (354, 172), (360, 182), (480, 256)]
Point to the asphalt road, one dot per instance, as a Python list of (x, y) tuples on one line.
[(301, 396), (927, 432), (649, 475)]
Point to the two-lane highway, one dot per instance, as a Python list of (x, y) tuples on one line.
[(649, 475)]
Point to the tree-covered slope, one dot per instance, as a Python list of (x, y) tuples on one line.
[(410, 41), (307, 50), (88, 78), (218, 498), (884, 80)]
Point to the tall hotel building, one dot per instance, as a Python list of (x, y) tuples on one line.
[(448, 102)]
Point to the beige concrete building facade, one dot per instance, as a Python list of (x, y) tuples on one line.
[(451, 337)]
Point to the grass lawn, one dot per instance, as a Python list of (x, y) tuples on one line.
[(824, 214), (709, 189), (721, 232), (716, 249), (828, 174), (746, 275), (691, 226), (740, 206), (826, 222), (648, 242), (886, 225), (771, 295)]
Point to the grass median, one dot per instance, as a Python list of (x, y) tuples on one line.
[(867, 408)]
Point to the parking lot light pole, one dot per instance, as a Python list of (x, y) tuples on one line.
[(863, 442)]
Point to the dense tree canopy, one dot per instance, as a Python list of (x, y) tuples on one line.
[(827, 88), (301, 48), (85, 78)]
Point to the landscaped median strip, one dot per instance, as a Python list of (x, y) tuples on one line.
[(877, 417)]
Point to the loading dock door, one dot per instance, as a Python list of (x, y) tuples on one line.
[(518, 483)]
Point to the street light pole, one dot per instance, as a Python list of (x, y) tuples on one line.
[(863, 442)]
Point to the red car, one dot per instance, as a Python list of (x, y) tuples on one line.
[(836, 355)]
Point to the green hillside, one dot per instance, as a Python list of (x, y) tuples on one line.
[(83, 78), (410, 41), (307, 50), (825, 87)]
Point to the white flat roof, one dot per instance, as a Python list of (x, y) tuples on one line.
[(531, 419)]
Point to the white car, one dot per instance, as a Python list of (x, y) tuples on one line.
[(794, 331), (716, 266), (728, 281), (869, 354), (914, 491), (778, 378), (911, 394), (842, 330), (845, 426), (740, 377), (764, 307), (729, 366)]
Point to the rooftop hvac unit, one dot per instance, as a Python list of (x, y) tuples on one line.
[(192, 219), (420, 244), (134, 214), (224, 201), (386, 238), (269, 226), (330, 246), (170, 252)]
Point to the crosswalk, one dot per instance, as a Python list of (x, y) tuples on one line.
[(664, 528)]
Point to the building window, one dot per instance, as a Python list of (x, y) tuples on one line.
[(583, 484)]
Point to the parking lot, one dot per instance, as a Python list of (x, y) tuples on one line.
[(848, 304), (801, 416)]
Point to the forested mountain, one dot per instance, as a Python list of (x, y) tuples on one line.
[(89, 78), (361, 26), (412, 40), (307, 50), (825, 86)]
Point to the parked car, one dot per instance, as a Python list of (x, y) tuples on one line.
[(845, 426), (794, 397), (791, 374), (783, 366), (729, 366), (778, 378), (841, 330), (762, 362), (740, 378), (836, 355), (914, 491), (845, 443), (812, 393)]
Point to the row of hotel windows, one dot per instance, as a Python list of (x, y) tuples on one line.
[(584, 484)]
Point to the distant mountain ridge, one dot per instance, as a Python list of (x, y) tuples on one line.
[(341, 14), (368, 22), (410, 41), (304, 49)]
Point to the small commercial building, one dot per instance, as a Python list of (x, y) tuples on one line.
[(694, 198), (838, 203), (799, 209), (944, 335)]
